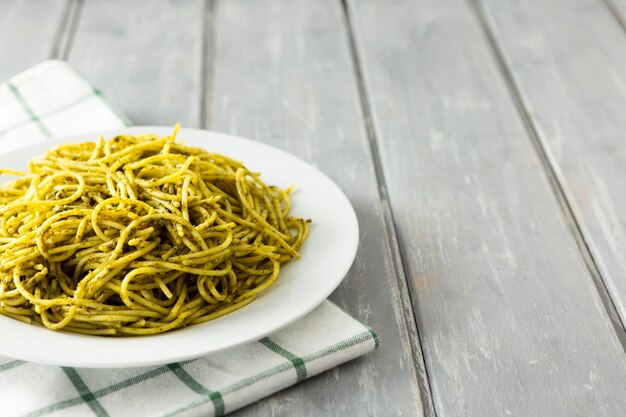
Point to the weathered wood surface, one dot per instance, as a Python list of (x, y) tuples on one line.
[(29, 33), (145, 56), (510, 319), (472, 153), (578, 104), (283, 75)]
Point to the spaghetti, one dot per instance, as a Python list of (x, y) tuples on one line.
[(139, 235)]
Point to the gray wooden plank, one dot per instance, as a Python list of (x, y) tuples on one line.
[(510, 319), (146, 57), (284, 76), (575, 48), (28, 33)]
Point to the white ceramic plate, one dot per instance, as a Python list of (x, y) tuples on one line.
[(302, 285)]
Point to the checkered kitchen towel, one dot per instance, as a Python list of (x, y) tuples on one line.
[(51, 100)]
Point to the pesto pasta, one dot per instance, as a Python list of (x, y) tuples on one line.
[(139, 235)]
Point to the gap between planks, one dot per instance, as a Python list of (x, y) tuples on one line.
[(550, 171), (67, 30), (207, 63), (398, 258), (69, 23), (621, 20)]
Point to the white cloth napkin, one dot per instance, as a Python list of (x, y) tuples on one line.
[(52, 100)]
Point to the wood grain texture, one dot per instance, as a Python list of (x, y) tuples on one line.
[(510, 319), (146, 56), (568, 62), (28, 33), (284, 76)]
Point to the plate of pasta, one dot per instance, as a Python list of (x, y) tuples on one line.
[(150, 245)]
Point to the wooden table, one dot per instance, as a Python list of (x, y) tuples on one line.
[(482, 143)]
